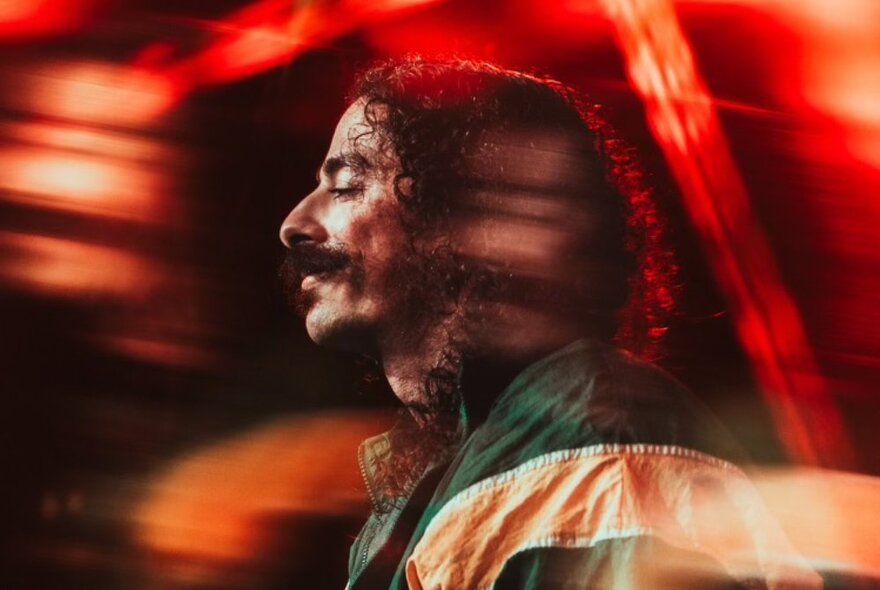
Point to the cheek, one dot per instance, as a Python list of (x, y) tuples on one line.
[(380, 237)]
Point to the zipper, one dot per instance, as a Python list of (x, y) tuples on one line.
[(366, 543), (373, 501), (367, 483)]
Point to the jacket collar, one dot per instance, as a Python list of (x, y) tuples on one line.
[(394, 462), (382, 458)]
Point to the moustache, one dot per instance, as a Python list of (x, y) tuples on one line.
[(309, 258), (306, 259)]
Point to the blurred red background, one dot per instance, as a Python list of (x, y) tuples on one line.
[(151, 149)]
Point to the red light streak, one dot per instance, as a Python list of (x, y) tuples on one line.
[(58, 179), (106, 94), (64, 267), (681, 115), (267, 34), (83, 140), (27, 19)]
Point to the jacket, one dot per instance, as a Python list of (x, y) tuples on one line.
[(592, 469)]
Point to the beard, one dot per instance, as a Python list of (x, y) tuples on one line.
[(425, 287), (309, 258)]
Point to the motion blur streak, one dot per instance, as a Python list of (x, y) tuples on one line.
[(80, 183), (216, 511), (840, 77), (830, 517), (99, 93), (680, 113), (269, 33), (28, 19), (67, 267), (82, 139), (91, 185), (159, 350), (78, 155), (213, 512)]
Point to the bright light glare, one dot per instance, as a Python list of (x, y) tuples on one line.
[(81, 183), (103, 94), (65, 267)]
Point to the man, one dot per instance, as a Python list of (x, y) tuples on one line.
[(479, 231)]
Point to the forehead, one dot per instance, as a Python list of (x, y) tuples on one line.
[(352, 125), (355, 136)]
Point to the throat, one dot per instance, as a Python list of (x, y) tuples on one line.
[(425, 375)]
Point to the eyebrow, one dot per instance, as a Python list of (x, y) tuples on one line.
[(334, 164)]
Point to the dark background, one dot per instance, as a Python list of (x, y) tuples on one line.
[(87, 422)]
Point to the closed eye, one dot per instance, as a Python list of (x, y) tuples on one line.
[(346, 191)]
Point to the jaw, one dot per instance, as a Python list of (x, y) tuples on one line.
[(341, 323)]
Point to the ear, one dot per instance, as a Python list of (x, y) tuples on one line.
[(403, 185)]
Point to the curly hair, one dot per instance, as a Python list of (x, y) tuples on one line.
[(435, 115)]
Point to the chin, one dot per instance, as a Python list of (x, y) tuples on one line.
[(335, 330), (319, 325)]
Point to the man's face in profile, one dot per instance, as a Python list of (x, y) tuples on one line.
[(353, 267), (346, 242)]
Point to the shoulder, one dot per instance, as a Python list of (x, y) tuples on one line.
[(588, 394), (592, 457), (614, 515)]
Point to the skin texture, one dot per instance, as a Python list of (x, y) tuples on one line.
[(373, 304), (354, 211), (362, 307)]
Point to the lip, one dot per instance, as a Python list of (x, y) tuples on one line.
[(308, 281), (312, 279)]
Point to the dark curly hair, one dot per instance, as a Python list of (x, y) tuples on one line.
[(433, 115)]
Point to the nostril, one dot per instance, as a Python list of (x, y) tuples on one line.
[(301, 225), (291, 237)]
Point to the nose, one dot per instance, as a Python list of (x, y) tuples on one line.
[(302, 224)]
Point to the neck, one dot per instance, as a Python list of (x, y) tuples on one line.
[(423, 367)]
